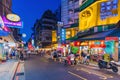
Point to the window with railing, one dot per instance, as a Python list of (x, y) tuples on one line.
[(70, 1)]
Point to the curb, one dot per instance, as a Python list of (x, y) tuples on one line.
[(13, 76)]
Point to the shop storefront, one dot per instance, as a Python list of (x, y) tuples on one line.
[(102, 43)]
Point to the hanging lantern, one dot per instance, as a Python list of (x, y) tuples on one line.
[(76, 43), (102, 44)]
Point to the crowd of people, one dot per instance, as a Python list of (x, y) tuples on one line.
[(18, 54), (56, 55), (73, 58)]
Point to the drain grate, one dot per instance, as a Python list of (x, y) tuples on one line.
[(20, 74)]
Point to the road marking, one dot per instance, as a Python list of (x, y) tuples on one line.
[(82, 69), (77, 75), (101, 76), (98, 74)]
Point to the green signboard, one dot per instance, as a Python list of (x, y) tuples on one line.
[(86, 3), (74, 49)]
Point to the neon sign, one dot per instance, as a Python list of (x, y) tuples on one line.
[(8, 23)]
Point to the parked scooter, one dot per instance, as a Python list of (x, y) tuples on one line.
[(68, 62), (105, 65)]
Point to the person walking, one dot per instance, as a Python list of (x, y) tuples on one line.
[(55, 55), (72, 58), (21, 56), (28, 53)]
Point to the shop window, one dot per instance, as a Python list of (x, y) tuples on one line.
[(100, 29), (70, 20), (68, 34), (105, 28), (76, 31), (76, 20), (71, 11), (92, 29), (70, 1)]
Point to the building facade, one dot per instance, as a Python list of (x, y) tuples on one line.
[(70, 17), (5, 7), (98, 26), (43, 29)]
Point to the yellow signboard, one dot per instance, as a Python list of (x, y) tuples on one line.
[(99, 14), (54, 36)]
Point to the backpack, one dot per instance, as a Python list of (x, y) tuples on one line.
[(55, 53)]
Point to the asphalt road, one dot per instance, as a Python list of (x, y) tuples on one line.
[(40, 68)]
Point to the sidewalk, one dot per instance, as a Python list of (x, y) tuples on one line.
[(7, 69), (20, 73)]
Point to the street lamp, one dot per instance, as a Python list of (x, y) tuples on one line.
[(24, 35)]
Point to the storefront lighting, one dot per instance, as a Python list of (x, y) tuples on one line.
[(67, 45), (102, 42)]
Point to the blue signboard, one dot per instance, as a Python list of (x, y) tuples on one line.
[(107, 9), (63, 36)]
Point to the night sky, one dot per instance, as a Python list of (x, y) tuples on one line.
[(30, 10)]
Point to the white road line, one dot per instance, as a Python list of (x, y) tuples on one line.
[(82, 69), (104, 76), (101, 76), (77, 75)]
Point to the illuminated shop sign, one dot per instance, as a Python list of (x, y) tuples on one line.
[(108, 14), (9, 23), (13, 17), (109, 9), (63, 35), (111, 38)]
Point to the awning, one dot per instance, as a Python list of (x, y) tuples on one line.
[(4, 33), (9, 38), (115, 33), (97, 36)]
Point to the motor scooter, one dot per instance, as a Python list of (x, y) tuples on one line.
[(67, 61), (105, 65)]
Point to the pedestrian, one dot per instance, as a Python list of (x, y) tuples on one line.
[(55, 55), (72, 58), (21, 56), (83, 57), (28, 53), (59, 56), (13, 54), (6, 55), (17, 55)]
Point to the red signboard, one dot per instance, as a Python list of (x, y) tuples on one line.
[(111, 39)]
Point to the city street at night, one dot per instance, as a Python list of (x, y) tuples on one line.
[(59, 39)]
